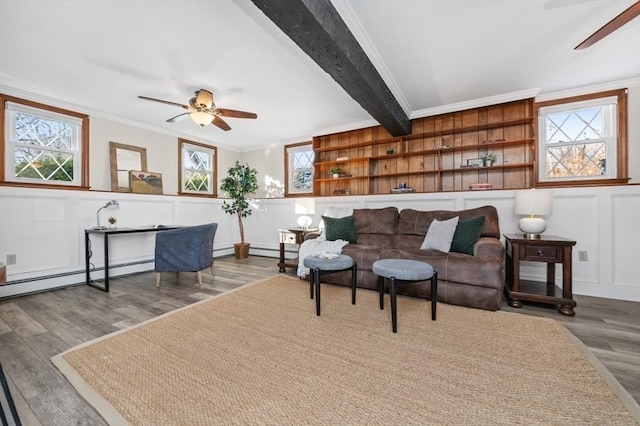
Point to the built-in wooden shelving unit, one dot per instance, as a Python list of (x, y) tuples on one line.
[(434, 156)]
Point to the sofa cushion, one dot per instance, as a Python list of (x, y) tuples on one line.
[(467, 233), (440, 234), (339, 229), (376, 226), (413, 224)]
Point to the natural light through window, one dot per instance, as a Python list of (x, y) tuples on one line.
[(578, 140), (300, 168), (198, 168), (42, 146)]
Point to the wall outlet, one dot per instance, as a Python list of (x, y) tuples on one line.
[(12, 259), (583, 256)]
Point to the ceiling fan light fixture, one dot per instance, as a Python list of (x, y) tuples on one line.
[(201, 117)]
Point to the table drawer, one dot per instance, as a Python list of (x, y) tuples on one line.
[(538, 253), (288, 237)]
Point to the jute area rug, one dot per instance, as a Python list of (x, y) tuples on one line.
[(260, 355)]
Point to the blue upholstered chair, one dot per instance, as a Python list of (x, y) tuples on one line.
[(188, 249)]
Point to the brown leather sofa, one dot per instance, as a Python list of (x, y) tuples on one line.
[(476, 281)]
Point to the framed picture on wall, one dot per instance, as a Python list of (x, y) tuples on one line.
[(145, 182), (475, 162)]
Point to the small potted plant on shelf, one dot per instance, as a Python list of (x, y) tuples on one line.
[(390, 151), (489, 159), (112, 222), (335, 171)]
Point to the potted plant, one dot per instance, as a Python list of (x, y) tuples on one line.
[(241, 180), (112, 222), (335, 171), (390, 151), (489, 159)]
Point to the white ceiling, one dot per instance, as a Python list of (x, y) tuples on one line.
[(435, 55)]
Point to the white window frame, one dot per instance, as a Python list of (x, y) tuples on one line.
[(211, 151), (290, 151), (609, 117), (11, 143)]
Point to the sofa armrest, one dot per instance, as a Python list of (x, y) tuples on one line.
[(489, 247), (311, 235)]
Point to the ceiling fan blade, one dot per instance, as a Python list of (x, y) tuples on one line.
[(178, 117), (235, 114), (631, 12), (164, 102), (220, 123), (204, 97)]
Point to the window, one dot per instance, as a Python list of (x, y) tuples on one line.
[(197, 168), (299, 166), (582, 140), (43, 145)]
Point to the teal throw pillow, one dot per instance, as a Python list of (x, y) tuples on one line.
[(339, 229), (467, 233)]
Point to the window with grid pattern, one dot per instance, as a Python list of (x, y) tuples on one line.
[(581, 139), (198, 168), (299, 168), (43, 146)]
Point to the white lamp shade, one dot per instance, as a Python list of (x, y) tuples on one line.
[(533, 202)]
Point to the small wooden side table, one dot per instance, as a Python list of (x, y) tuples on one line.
[(291, 236), (550, 249)]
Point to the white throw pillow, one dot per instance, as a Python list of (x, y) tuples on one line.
[(440, 234)]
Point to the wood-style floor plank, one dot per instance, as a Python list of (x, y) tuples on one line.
[(33, 328)]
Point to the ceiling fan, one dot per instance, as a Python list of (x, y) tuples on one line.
[(203, 110), (631, 12)]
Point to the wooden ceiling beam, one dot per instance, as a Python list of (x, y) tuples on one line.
[(317, 28)]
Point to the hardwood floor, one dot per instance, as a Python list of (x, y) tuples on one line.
[(33, 328)]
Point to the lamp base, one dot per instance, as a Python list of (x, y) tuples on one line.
[(532, 227)]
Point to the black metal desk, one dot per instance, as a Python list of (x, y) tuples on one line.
[(106, 233)]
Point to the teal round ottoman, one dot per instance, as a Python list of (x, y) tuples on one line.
[(400, 271), (320, 265)]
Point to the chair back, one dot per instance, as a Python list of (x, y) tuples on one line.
[(185, 249)]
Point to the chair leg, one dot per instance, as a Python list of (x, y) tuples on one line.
[(354, 277), (316, 280), (212, 273), (434, 294), (392, 293), (199, 275), (381, 290), (311, 275), (157, 279)]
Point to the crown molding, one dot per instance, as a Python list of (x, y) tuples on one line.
[(476, 103), (602, 87), (106, 116)]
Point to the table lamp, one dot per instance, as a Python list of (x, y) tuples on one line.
[(305, 207), (533, 202), (110, 204)]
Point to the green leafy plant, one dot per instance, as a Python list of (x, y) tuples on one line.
[(490, 157), (335, 170), (241, 180)]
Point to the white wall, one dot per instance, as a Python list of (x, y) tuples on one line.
[(162, 153), (45, 228)]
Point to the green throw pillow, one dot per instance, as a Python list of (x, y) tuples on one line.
[(467, 233), (339, 229)]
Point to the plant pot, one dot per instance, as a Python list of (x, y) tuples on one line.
[(241, 250), (336, 175), (488, 163)]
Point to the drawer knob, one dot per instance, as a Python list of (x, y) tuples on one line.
[(540, 253)]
